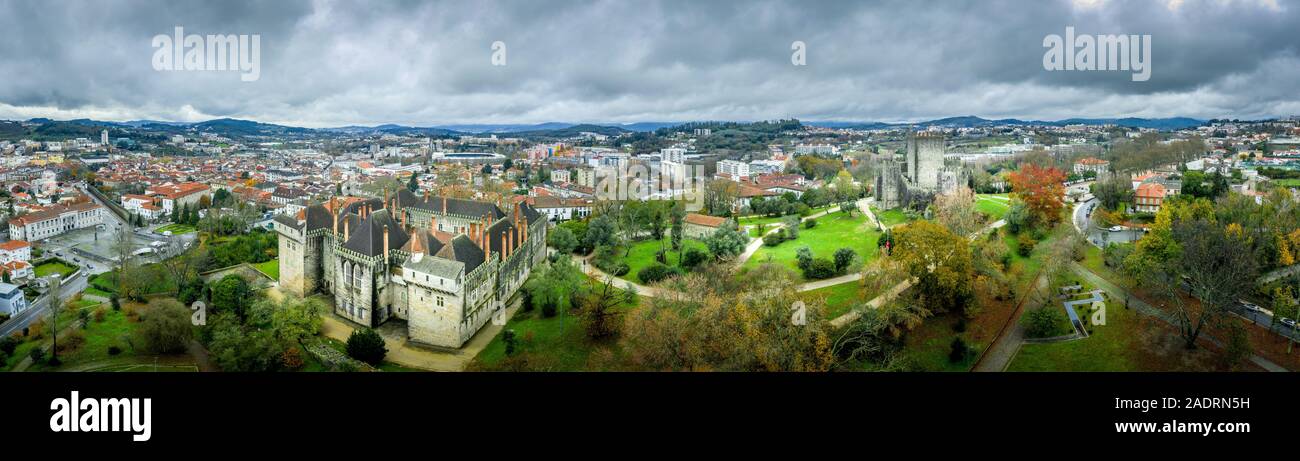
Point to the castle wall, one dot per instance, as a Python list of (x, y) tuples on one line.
[(292, 261)]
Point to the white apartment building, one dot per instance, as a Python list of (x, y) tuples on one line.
[(559, 175), (736, 169), (55, 220)]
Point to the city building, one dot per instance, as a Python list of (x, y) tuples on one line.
[(1092, 164), (55, 220), (12, 300), (172, 196), (735, 169), (1148, 197), (698, 226), (559, 209)]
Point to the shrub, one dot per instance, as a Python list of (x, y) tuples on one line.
[(99, 314), (820, 268), (1025, 245), (773, 239), (367, 346), (550, 307), (958, 351), (843, 258), (71, 340), (657, 272), (694, 257), (526, 301), (8, 344), (165, 327), (37, 354), (508, 337), (809, 224), (292, 358), (114, 350), (1043, 322), (804, 257)]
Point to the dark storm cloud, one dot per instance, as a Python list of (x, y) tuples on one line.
[(335, 62)]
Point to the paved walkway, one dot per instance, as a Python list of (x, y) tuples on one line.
[(402, 352), (1008, 342), (1141, 306)]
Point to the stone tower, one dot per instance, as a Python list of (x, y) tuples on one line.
[(924, 159)]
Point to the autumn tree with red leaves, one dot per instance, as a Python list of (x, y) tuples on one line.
[(1042, 190)]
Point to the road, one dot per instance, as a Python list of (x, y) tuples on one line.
[(1100, 237), (37, 310), (1266, 320)]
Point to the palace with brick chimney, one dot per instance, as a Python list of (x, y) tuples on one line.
[(445, 266)]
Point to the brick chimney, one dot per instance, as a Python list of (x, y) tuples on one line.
[(385, 249), (345, 230)]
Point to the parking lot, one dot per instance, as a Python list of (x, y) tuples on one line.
[(93, 248)]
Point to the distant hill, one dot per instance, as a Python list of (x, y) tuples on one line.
[(237, 128), (970, 121)]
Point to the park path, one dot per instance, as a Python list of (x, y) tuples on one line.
[(1010, 338), (1144, 308)]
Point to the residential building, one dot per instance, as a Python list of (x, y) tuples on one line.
[(1149, 197), (734, 169), (1092, 164), (12, 300), (698, 226)]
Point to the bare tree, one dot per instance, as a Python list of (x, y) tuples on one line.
[(1216, 266)]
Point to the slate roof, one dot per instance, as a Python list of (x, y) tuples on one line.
[(444, 268), (464, 250), (367, 236), (455, 206)]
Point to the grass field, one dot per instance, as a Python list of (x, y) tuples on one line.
[(99, 336), (557, 343), (890, 218), (993, 205), (839, 298), (270, 268), (832, 233), (176, 229), (1293, 182), (54, 267), (1108, 348), (642, 254)]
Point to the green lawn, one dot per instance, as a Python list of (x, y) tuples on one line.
[(1294, 182), (557, 343), (992, 205), (112, 331), (642, 254), (754, 219), (1110, 347), (890, 218), (97, 292), (176, 229), (832, 232), (270, 268), (839, 298), (54, 267)]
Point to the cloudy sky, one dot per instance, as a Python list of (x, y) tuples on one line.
[(334, 63)]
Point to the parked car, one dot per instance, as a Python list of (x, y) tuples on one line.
[(1252, 307), (1116, 228)]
